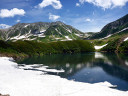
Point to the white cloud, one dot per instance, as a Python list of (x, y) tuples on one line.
[(53, 17), (105, 4), (88, 20), (77, 4), (4, 26), (54, 3), (18, 21), (11, 13)]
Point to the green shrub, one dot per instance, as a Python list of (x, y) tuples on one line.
[(39, 48), (111, 47), (124, 47)]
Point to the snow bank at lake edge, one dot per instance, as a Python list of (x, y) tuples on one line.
[(19, 82)]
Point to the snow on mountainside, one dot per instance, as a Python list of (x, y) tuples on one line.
[(126, 39), (118, 26), (125, 29), (41, 31)]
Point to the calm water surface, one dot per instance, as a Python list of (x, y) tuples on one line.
[(89, 67)]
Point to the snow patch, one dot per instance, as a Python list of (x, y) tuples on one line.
[(77, 35), (123, 29), (126, 39), (57, 38), (114, 33), (58, 31), (40, 34), (42, 31), (99, 47), (26, 25), (20, 82), (69, 31), (67, 37), (25, 36), (40, 67), (106, 36)]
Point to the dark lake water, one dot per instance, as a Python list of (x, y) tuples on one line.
[(89, 67)]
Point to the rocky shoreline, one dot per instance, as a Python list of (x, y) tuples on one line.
[(4, 95), (14, 56)]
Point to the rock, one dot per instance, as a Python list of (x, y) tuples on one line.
[(4, 95)]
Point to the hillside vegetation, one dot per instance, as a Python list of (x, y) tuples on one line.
[(113, 35), (39, 48)]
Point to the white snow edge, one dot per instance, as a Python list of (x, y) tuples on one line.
[(19, 82), (99, 47), (126, 39)]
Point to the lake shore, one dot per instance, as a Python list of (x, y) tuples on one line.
[(14, 55), (4, 95), (37, 83)]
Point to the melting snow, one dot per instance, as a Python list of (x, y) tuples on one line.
[(20, 82), (106, 36), (123, 29), (26, 25), (67, 37), (41, 35), (77, 35), (126, 39), (115, 33), (99, 47), (42, 31), (69, 31), (40, 68), (22, 36), (58, 31)]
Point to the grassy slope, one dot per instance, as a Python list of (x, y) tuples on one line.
[(38, 48), (124, 47), (113, 42)]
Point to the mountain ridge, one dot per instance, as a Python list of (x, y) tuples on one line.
[(41, 31), (111, 28)]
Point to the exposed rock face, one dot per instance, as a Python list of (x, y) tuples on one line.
[(117, 26), (40, 30)]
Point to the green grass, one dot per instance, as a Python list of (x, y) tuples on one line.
[(39, 48), (123, 47), (112, 45)]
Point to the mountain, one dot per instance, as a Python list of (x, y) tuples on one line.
[(118, 26), (41, 31), (89, 34)]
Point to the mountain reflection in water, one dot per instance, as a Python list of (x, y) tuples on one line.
[(88, 67)]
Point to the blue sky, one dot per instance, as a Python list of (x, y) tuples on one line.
[(85, 15)]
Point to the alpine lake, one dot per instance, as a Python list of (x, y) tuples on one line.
[(92, 67)]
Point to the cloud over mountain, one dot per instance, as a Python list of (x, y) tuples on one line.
[(11, 13), (53, 17), (54, 3), (105, 4)]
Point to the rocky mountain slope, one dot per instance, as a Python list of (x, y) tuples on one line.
[(118, 26), (41, 31)]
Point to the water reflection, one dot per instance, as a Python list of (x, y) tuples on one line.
[(89, 67)]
